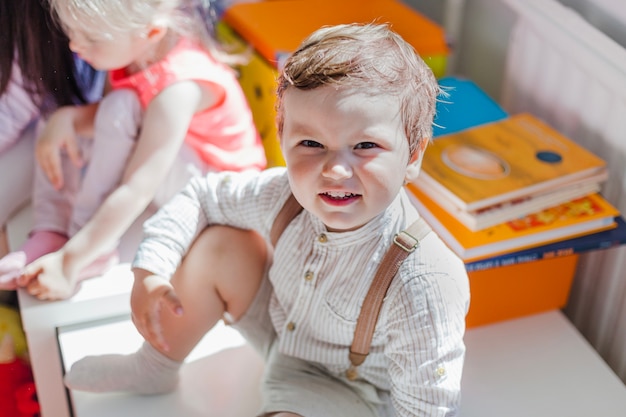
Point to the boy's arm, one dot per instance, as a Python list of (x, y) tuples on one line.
[(425, 345), (218, 198), (247, 200), (169, 233)]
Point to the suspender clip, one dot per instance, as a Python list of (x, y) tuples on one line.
[(405, 241)]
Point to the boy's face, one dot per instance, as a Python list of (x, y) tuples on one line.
[(346, 152)]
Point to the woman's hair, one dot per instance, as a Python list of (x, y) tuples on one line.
[(41, 51), (372, 59), (194, 19)]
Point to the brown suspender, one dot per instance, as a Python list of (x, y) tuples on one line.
[(287, 213), (404, 243)]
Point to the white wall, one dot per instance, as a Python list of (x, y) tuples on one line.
[(483, 36), (484, 33), (607, 15)]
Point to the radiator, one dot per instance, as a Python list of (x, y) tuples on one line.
[(563, 70)]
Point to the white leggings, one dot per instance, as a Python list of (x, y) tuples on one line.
[(117, 125)]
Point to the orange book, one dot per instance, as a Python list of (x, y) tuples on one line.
[(578, 217), (276, 28), (502, 161)]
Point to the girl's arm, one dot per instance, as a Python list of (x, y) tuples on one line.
[(164, 128)]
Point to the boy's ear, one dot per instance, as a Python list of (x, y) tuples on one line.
[(415, 164)]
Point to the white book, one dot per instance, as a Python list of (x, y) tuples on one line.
[(501, 213)]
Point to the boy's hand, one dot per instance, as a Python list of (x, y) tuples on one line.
[(45, 278), (151, 293), (58, 134)]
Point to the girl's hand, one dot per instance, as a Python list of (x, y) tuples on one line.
[(150, 294), (58, 134), (45, 278)]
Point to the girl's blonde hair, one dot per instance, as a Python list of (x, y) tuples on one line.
[(373, 59), (194, 19)]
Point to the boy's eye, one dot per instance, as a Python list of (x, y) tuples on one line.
[(366, 145), (311, 143)]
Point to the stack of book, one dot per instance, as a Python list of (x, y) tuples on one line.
[(510, 185)]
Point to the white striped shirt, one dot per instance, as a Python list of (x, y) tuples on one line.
[(320, 279)]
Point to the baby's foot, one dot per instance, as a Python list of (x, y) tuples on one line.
[(11, 268), (42, 242), (146, 372)]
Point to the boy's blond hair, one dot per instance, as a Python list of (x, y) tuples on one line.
[(371, 58)]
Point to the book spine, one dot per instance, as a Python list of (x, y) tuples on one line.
[(514, 259), (596, 241)]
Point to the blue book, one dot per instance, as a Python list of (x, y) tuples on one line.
[(595, 241), (467, 106)]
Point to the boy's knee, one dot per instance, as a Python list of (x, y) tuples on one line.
[(234, 261), (227, 248), (230, 241)]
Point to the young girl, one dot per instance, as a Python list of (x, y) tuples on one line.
[(34, 81), (175, 111)]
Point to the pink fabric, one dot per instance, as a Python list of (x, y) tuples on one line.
[(224, 136)]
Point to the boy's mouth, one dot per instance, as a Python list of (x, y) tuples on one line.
[(338, 195)]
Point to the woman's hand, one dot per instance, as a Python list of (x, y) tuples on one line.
[(58, 134), (151, 293)]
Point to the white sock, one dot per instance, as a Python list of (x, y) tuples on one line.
[(146, 371)]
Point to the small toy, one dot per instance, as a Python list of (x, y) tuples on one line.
[(17, 389)]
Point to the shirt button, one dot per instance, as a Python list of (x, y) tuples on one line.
[(441, 371), (352, 374), (322, 238), (308, 275), (291, 326)]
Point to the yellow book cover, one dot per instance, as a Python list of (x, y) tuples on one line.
[(578, 217), (504, 160)]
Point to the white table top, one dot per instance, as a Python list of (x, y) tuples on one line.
[(532, 367), (537, 366)]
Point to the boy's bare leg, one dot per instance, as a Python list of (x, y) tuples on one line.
[(221, 272)]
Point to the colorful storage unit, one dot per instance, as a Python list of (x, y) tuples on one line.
[(258, 81), (275, 28), (508, 292), (467, 105)]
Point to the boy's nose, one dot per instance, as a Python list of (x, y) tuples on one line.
[(337, 168)]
